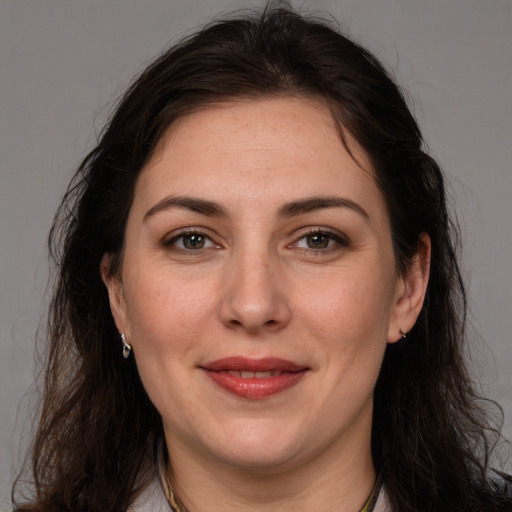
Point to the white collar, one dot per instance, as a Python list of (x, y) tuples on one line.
[(382, 504), (151, 499)]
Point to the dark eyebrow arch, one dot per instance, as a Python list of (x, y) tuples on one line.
[(318, 203), (202, 206), (212, 209)]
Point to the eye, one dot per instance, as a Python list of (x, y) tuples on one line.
[(192, 241), (318, 240)]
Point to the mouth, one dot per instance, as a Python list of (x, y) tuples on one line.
[(244, 374), (254, 379)]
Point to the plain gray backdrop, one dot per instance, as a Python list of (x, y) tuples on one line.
[(64, 62)]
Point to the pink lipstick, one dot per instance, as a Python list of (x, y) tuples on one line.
[(254, 379)]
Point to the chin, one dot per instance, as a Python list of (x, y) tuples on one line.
[(258, 445)]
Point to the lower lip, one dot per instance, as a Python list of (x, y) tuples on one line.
[(253, 388)]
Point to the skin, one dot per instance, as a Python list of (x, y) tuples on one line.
[(257, 286)]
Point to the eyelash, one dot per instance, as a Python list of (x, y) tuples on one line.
[(332, 236)]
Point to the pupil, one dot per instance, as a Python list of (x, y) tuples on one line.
[(317, 241), (194, 242)]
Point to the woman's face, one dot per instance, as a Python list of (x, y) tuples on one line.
[(258, 285)]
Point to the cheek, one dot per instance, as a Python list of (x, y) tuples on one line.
[(349, 303), (166, 313), (168, 320)]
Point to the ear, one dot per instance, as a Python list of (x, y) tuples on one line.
[(115, 290), (410, 291)]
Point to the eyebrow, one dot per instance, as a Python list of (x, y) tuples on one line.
[(321, 202), (291, 209), (202, 206)]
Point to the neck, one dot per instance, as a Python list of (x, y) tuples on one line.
[(328, 482)]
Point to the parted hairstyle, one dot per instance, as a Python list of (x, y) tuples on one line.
[(98, 431)]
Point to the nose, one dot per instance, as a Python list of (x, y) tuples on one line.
[(254, 295)]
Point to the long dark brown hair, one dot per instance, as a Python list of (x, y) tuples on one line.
[(98, 431)]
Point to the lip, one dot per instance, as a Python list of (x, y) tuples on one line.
[(226, 373)]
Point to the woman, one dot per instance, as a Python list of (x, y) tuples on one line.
[(259, 305)]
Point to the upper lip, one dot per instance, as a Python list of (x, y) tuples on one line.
[(253, 365)]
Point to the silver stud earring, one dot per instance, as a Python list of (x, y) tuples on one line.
[(127, 348), (403, 333)]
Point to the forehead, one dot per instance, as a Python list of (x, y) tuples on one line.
[(259, 124), (280, 148)]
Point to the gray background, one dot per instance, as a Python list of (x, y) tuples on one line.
[(63, 63)]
